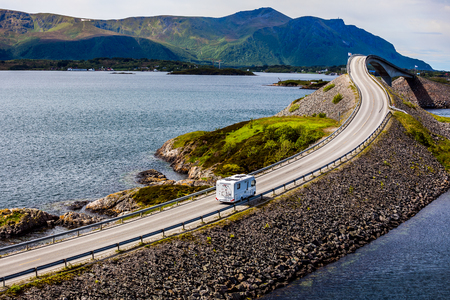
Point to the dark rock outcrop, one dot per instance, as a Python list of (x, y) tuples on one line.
[(152, 177), (77, 205), (27, 220)]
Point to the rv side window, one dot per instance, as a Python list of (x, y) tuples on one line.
[(253, 182), (238, 186)]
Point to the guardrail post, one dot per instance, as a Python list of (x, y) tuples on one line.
[(218, 213), (141, 215), (118, 247), (202, 219), (27, 248), (65, 262), (160, 208), (35, 270), (273, 192), (183, 226), (92, 253), (53, 240), (163, 233), (121, 221), (142, 240), (284, 186), (234, 206), (4, 284), (294, 182), (101, 227)]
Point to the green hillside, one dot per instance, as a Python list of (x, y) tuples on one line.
[(258, 37)]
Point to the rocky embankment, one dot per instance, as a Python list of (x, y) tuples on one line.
[(322, 101), (401, 87), (423, 92), (279, 242)]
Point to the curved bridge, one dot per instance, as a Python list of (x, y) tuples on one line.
[(386, 69)]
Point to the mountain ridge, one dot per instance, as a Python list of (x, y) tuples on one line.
[(255, 37)]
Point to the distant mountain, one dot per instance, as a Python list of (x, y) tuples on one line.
[(258, 37)]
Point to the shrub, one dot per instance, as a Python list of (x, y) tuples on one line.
[(329, 87), (322, 115), (294, 107), (298, 100), (337, 98)]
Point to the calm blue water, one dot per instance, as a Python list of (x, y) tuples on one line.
[(82, 135), (410, 262)]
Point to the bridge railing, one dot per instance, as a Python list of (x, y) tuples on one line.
[(296, 182), (142, 212)]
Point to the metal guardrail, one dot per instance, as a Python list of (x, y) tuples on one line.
[(76, 232), (302, 180)]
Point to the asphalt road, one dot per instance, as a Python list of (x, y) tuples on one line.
[(373, 109)]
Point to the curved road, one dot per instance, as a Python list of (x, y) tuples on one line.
[(373, 109)]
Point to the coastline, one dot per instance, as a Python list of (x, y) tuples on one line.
[(267, 247)]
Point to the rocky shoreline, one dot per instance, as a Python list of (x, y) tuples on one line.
[(291, 236), (284, 240)]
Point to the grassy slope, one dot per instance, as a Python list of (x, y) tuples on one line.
[(438, 146), (250, 145)]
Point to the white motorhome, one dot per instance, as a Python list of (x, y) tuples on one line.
[(235, 188)]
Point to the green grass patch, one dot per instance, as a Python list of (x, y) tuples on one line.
[(409, 104), (337, 98), (440, 118), (298, 100), (440, 148), (248, 146), (294, 107), (153, 195), (7, 217), (181, 140), (328, 87)]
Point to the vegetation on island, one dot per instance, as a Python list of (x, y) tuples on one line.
[(8, 217), (100, 63), (304, 84), (247, 146), (212, 71)]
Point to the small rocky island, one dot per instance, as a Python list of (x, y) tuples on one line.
[(303, 84), (212, 71)]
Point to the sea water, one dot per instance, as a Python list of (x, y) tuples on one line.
[(67, 136)]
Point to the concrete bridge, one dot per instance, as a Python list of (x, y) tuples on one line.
[(386, 69)]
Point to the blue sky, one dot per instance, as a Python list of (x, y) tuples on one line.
[(417, 28)]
